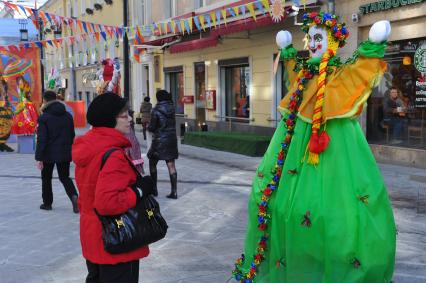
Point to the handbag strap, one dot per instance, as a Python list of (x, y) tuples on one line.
[(108, 153)]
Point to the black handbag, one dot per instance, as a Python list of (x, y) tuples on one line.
[(137, 227)]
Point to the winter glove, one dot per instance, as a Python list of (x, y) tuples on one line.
[(143, 186)]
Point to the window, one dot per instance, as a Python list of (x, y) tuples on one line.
[(235, 76), (199, 3), (175, 85), (184, 6), (396, 111), (160, 10), (83, 6)]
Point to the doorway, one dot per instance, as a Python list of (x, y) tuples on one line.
[(200, 90)]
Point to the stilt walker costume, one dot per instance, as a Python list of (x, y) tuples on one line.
[(319, 210)]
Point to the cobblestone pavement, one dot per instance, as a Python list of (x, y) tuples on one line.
[(207, 222)]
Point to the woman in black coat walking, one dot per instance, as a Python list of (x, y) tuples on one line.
[(164, 140)]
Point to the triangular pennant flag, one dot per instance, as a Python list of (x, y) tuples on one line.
[(84, 26), (103, 34), (29, 11), (243, 11), (190, 23), (80, 25), (266, 5), (218, 17), (182, 26), (49, 18), (38, 44), (236, 11), (23, 10), (32, 44), (50, 42), (152, 29), (259, 7), (89, 27), (197, 23), (251, 9), (164, 28), (26, 45), (43, 17), (44, 43), (93, 27), (213, 17), (201, 17), (97, 36), (224, 15), (173, 24), (209, 24), (187, 26), (231, 11)]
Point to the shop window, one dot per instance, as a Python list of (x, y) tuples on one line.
[(235, 76), (396, 110), (175, 85)]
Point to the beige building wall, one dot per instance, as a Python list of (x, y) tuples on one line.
[(109, 15), (259, 46)]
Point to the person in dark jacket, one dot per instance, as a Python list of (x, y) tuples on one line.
[(145, 111), (112, 190), (164, 140), (55, 136)]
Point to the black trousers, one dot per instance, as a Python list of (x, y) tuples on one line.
[(127, 272), (64, 176)]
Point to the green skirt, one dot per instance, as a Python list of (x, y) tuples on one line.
[(329, 223)]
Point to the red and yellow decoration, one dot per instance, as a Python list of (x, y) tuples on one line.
[(263, 216)]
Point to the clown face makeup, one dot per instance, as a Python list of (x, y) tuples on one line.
[(317, 41)]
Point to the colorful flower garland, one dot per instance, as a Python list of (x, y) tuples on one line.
[(263, 217), (338, 30)]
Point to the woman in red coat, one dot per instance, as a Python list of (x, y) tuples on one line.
[(110, 191)]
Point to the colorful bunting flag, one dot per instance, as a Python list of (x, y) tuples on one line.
[(218, 18), (182, 26), (251, 9), (197, 23), (190, 23), (224, 14), (213, 17), (201, 17)]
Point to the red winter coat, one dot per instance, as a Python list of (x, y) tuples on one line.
[(108, 191)]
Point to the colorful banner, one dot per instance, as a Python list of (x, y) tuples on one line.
[(28, 72)]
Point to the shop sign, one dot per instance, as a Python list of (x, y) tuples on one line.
[(421, 93), (211, 99), (420, 59), (188, 99), (386, 5)]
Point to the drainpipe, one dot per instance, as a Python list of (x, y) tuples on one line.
[(126, 51), (331, 6)]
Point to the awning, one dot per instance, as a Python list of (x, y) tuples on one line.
[(210, 41), (213, 38)]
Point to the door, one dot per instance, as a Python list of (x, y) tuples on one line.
[(200, 90)]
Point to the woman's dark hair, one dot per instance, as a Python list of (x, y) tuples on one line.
[(49, 95), (147, 99), (163, 95)]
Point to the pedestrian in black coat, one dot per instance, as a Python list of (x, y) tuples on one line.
[(55, 136), (164, 140)]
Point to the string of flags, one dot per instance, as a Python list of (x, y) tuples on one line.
[(83, 30)]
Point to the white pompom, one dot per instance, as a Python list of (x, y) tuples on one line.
[(380, 31), (283, 39)]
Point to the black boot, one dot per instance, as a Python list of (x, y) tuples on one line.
[(154, 180), (74, 204), (173, 182)]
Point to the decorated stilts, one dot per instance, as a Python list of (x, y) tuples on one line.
[(319, 210)]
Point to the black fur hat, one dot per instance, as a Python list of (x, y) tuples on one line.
[(104, 110)]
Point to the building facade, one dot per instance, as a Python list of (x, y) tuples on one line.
[(224, 79), (406, 59), (79, 62)]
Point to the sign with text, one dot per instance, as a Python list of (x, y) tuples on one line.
[(211, 99), (386, 5), (188, 99)]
